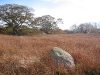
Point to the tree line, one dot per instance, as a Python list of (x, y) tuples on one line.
[(19, 20), (90, 27)]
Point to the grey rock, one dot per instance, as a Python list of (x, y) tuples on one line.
[(61, 56)]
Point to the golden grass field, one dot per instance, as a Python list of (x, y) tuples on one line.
[(21, 55)]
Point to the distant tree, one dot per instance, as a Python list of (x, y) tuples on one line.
[(14, 16), (47, 23), (81, 28), (85, 28), (74, 28)]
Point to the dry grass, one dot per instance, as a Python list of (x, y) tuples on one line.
[(23, 55)]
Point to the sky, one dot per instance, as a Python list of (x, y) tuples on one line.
[(71, 11)]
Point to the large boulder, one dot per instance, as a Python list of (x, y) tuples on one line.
[(61, 56)]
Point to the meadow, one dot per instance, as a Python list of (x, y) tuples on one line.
[(24, 55)]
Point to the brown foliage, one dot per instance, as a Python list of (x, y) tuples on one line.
[(24, 55)]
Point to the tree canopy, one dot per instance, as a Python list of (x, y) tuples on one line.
[(16, 19), (14, 16), (46, 23)]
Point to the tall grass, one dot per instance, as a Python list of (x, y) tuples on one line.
[(24, 55)]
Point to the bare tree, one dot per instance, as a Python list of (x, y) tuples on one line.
[(85, 28), (74, 28)]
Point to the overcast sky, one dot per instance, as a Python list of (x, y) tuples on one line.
[(71, 11)]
